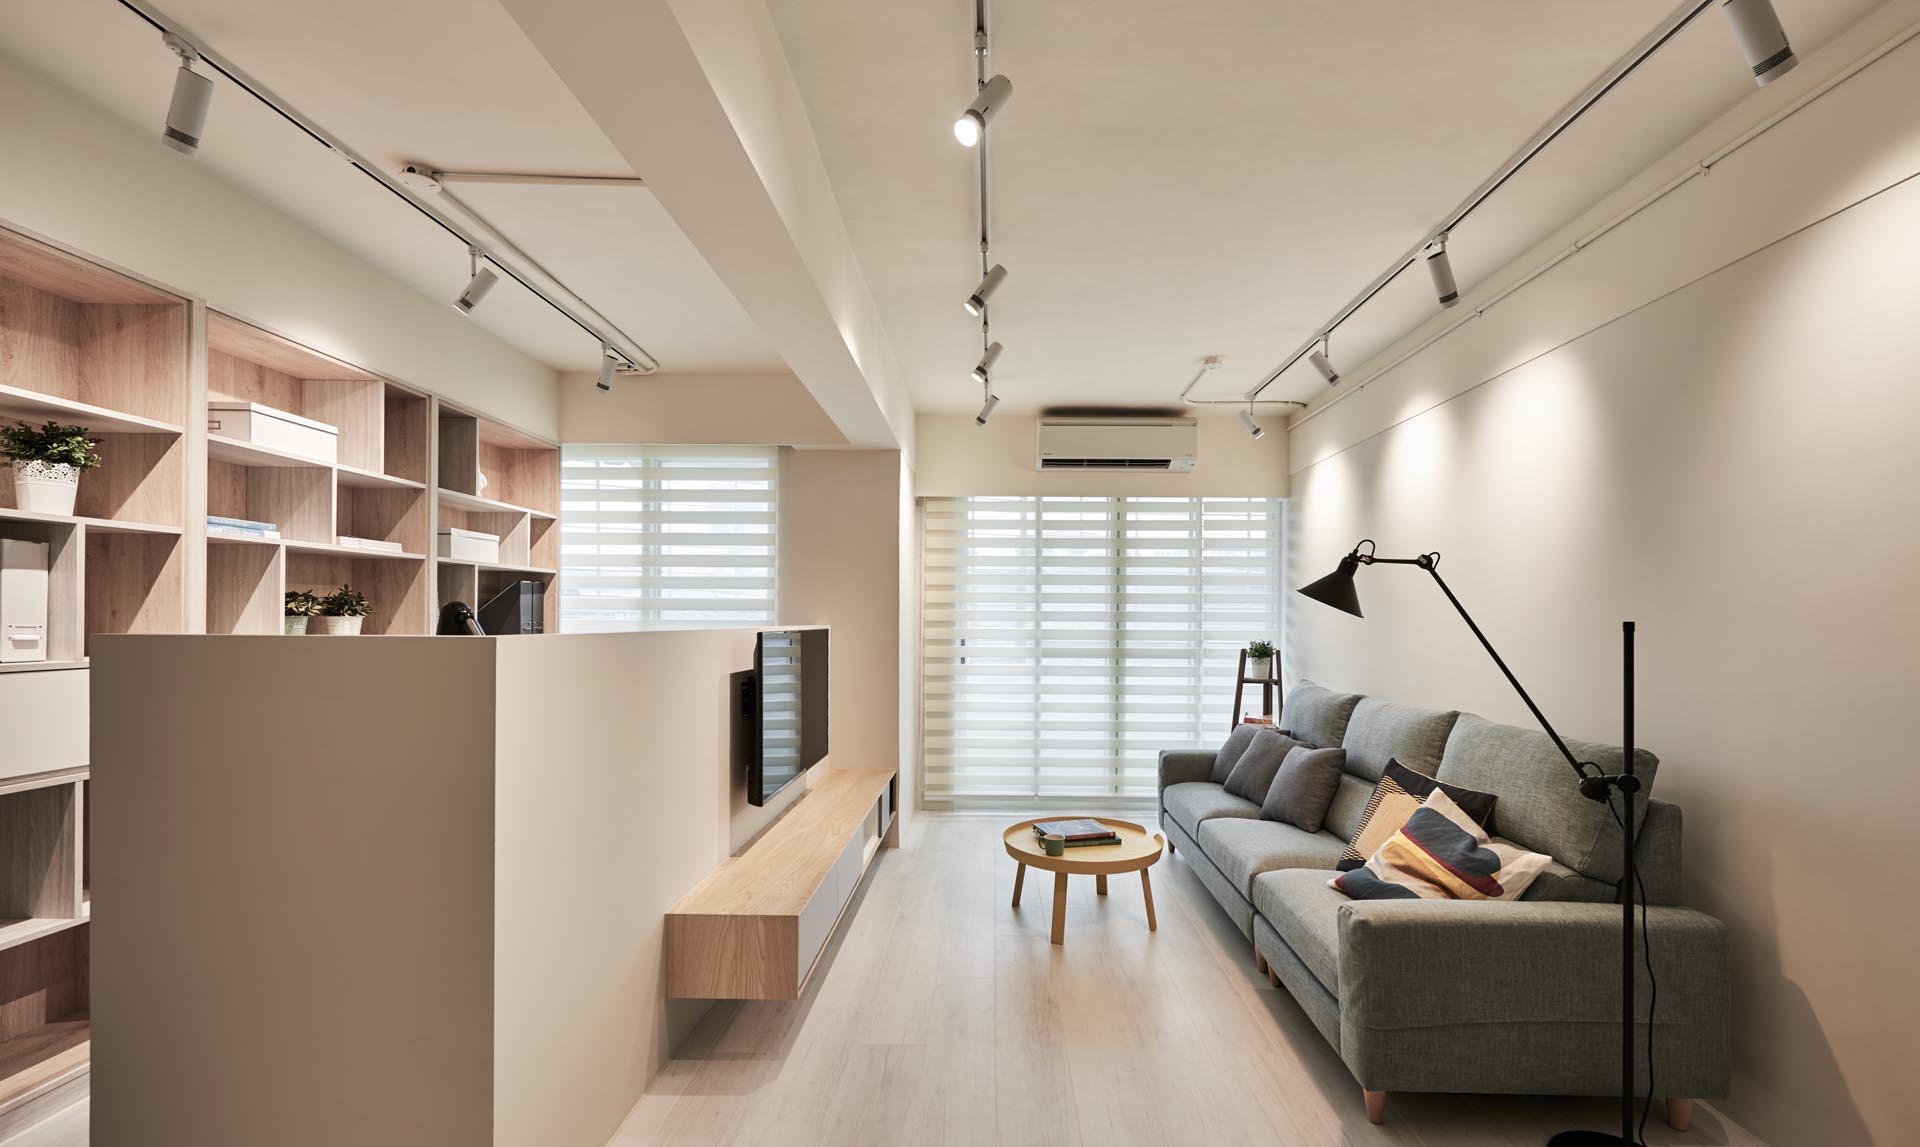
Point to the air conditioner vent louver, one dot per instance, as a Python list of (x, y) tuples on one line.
[(1106, 464), (1165, 444)]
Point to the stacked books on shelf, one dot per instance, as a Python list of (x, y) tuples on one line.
[(1079, 832), (242, 528), (373, 545)]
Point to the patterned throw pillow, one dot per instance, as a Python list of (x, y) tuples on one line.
[(1441, 854), (1394, 799)]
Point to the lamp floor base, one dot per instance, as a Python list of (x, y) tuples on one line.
[(1588, 1139)]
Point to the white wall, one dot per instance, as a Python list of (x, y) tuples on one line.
[(1705, 423), (709, 408), (85, 178), (958, 458)]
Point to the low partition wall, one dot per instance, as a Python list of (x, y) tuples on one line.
[(396, 889)]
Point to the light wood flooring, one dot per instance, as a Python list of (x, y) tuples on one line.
[(945, 1017)]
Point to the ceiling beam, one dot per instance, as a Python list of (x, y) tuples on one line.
[(698, 98)]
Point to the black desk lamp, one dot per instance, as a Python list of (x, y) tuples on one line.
[(1336, 590)]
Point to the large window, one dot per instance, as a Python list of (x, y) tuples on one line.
[(1068, 640), (663, 537)]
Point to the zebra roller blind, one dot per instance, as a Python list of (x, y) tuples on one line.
[(1067, 640), (662, 537)]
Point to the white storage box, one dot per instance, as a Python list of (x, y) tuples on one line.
[(23, 601), (469, 545), (274, 430)]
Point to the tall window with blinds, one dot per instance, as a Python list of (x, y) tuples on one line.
[(667, 537), (1068, 640)]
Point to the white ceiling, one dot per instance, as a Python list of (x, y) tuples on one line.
[(450, 82), (1175, 181)]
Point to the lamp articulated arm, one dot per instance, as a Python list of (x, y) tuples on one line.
[(1337, 590)]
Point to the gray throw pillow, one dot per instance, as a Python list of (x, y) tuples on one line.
[(1229, 755), (1303, 788), (1253, 774)]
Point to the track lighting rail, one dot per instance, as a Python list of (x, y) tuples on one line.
[(1555, 127), (553, 293)]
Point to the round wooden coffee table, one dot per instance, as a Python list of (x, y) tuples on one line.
[(1137, 851)]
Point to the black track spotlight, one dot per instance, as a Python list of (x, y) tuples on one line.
[(977, 302), (1762, 40), (973, 122), (477, 287), (1440, 267), (192, 95), (984, 370)]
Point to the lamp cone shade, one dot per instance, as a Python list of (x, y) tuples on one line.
[(1336, 589)]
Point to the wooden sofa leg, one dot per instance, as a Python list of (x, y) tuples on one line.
[(1376, 1107), (1259, 961), (1679, 1113)]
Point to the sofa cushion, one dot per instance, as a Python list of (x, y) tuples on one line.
[(1229, 754), (1193, 802), (1349, 806), (1558, 882), (1306, 914), (1382, 731), (1394, 799), (1253, 775), (1304, 787), (1540, 803), (1316, 715), (1243, 849)]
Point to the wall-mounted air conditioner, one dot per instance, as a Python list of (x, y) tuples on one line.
[(1168, 444)]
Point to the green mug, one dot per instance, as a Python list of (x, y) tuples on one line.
[(1054, 843)]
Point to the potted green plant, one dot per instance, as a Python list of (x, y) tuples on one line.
[(46, 464), (341, 613), (301, 606), (1260, 660)]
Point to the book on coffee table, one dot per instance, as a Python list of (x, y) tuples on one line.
[(1081, 829)]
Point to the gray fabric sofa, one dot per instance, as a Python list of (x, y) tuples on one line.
[(1426, 995)]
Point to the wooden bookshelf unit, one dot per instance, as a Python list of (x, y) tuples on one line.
[(755, 929), (137, 363)]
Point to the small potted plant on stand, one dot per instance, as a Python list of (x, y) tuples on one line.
[(46, 464), (301, 606), (341, 613), (1260, 660)]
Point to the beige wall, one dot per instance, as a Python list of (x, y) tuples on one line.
[(1732, 466), (89, 180), (706, 408), (840, 555), (959, 458)]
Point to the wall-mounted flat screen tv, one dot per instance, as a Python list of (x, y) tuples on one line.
[(787, 702)]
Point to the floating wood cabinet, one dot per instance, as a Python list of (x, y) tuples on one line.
[(756, 928)]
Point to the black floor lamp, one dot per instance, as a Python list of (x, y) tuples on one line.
[(1337, 590)]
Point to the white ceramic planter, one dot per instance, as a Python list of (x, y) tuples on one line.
[(45, 487), (1260, 668), (296, 624), (335, 626)]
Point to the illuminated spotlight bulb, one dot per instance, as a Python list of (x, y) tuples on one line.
[(986, 411), (1440, 268), (977, 302), (192, 95), (984, 370), (1324, 365), (1253, 427), (1762, 40), (973, 122)]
